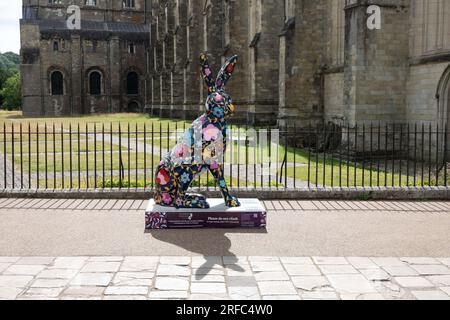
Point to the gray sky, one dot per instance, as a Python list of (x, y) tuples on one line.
[(10, 13)]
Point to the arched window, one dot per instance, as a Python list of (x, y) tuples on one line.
[(57, 83), (132, 83), (95, 83)]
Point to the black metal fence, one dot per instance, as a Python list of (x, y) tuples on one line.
[(109, 156)]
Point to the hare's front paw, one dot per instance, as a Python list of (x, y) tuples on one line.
[(232, 202)]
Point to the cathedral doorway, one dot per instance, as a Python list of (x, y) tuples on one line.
[(132, 83), (133, 107), (443, 95), (57, 83), (95, 83)]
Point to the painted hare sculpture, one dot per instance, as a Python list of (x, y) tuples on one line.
[(201, 148)]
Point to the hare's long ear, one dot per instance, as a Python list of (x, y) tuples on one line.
[(206, 72), (226, 72)]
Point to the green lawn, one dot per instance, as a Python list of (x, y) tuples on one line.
[(339, 176), (85, 162), (15, 119), (58, 147)]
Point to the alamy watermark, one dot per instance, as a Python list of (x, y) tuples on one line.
[(374, 19), (73, 21)]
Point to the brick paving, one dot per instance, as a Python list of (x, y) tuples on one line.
[(231, 278)]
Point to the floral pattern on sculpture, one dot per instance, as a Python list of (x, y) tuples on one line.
[(201, 148)]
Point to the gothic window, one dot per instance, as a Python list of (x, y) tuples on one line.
[(56, 45), (128, 3), (92, 3), (131, 48), (132, 83), (95, 83), (57, 83)]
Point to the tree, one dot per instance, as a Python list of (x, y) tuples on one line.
[(9, 60), (4, 75), (11, 93)]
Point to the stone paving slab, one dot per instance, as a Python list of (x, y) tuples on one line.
[(224, 278)]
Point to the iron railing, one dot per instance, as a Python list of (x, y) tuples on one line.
[(109, 156)]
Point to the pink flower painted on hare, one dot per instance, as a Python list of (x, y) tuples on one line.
[(167, 198), (214, 165), (181, 151), (211, 133)]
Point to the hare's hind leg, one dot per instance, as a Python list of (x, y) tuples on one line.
[(218, 174), (185, 176), (165, 187)]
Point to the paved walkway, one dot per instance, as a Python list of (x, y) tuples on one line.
[(19, 180), (98, 249), (238, 278), (51, 227)]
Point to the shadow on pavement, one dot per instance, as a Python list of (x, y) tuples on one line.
[(210, 243)]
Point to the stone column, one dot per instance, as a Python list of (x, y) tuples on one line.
[(116, 75), (77, 98), (30, 70)]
